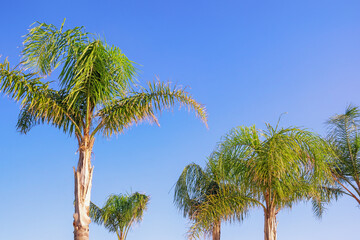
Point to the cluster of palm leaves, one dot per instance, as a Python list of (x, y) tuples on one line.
[(271, 169), (344, 137), (120, 212)]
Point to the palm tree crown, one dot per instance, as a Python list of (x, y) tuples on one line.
[(120, 212), (344, 137), (96, 91), (199, 195)]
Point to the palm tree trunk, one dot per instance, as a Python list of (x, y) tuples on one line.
[(121, 235), (270, 224), (83, 178), (216, 230)]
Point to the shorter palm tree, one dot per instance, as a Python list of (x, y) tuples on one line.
[(202, 197), (120, 212)]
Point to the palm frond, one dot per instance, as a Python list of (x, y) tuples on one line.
[(143, 105), (344, 138), (40, 103), (46, 47)]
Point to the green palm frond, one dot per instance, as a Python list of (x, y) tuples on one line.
[(39, 103), (344, 138), (143, 105), (324, 196), (190, 189), (100, 73), (46, 47)]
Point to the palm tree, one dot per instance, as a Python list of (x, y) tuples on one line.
[(96, 95), (120, 212), (344, 137), (275, 169), (198, 190)]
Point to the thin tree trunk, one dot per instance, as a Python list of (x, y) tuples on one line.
[(83, 178), (216, 230), (270, 224)]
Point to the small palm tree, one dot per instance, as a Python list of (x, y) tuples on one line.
[(96, 95), (120, 212), (197, 191), (344, 137), (274, 169)]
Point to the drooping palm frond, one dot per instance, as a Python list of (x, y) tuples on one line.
[(40, 103), (120, 212), (344, 138), (143, 105), (324, 196), (190, 189)]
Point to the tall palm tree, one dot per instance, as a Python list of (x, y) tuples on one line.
[(96, 95), (344, 137), (198, 190), (275, 169), (120, 212)]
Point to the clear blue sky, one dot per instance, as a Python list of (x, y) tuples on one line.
[(247, 61)]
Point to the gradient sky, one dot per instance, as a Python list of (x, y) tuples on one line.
[(247, 61)]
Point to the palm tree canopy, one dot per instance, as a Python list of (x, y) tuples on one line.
[(120, 212), (96, 90), (273, 168), (287, 164), (344, 137), (202, 196)]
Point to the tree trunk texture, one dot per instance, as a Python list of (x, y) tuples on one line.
[(270, 224), (83, 178), (216, 231)]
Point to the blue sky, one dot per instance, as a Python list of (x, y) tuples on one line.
[(247, 61)]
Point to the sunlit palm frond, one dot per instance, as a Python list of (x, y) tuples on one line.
[(46, 47), (39, 103), (143, 105)]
